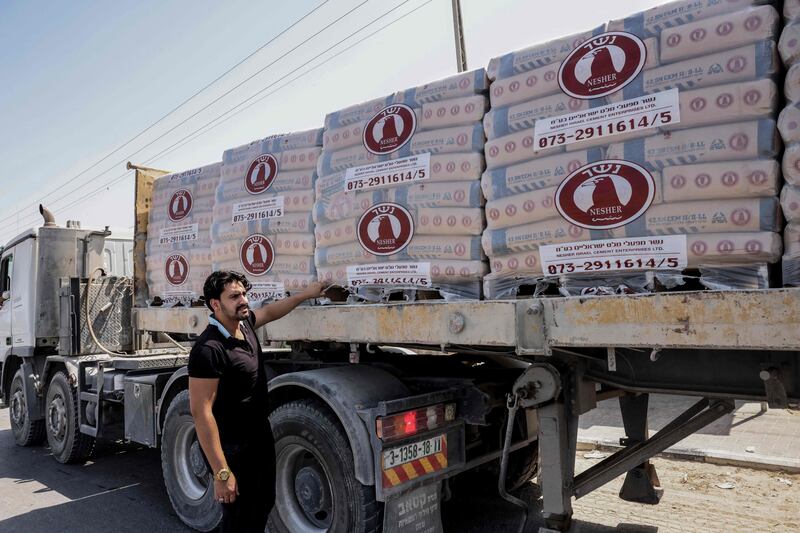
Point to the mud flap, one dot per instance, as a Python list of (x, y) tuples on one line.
[(415, 511)]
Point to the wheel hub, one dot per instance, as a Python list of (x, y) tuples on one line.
[(57, 417), (17, 408), (309, 487), (199, 467)]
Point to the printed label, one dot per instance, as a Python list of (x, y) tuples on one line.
[(390, 129), (602, 65), (393, 173), (258, 210), (418, 511), (385, 229), (188, 233), (666, 252), (267, 290), (407, 274), (180, 205), (257, 255), (641, 113)]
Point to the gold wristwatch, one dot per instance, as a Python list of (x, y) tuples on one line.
[(223, 474)]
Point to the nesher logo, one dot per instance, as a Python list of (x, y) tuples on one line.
[(607, 194), (261, 174), (257, 255), (602, 65), (385, 229), (176, 269), (390, 129), (180, 205)]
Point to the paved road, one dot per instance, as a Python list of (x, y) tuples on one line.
[(121, 491)]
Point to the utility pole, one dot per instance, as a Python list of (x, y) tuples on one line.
[(458, 31)]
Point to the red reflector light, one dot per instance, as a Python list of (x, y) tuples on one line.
[(408, 423)]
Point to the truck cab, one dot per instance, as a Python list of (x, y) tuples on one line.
[(33, 265)]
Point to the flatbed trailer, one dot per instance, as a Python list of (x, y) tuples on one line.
[(379, 408), (716, 345)]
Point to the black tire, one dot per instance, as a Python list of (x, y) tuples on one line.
[(523, 465), (187, 478), (26, 432), (310, 445), (67, 443)]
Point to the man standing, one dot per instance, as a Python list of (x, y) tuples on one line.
[(228, 399)]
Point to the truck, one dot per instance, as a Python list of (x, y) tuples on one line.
[(379, 409)]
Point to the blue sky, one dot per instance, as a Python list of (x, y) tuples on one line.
[(80, 78)]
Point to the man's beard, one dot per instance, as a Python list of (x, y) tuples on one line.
[(242, 312)]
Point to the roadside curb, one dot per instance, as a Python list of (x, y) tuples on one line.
[(720, 457)]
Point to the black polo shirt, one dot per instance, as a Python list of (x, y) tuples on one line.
[(241, 407)]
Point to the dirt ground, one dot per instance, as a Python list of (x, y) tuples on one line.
[(697, 496)]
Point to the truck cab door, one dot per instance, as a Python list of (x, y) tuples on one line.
[(6, 268), (23, 293)]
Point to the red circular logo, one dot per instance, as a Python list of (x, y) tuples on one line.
[(753, 247), (257, 255), (498, 91), (740, 216), (606, 194), (385, 229), (726, 247), (698, 35), (514, 87), (176, 269), (737, 64), (529, 205), (752, 23), (513, 263), (530, 260), (729, 179), (724, 29), (702, 180), (739, 142), (261, 174), (752, 97), (549, 75), (180, 205), (697, 104), (699, 248), (674, 40), (390, 129), (530, 81), (758, 177), (678, 182), (602, 65), (724, 100)]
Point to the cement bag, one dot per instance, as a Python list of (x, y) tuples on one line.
[(576, 157), (791, 164), (791, 85), (789, 123), (789, 45), (791, 259), (178, 235), (399, 202), (262, 223), (791, 10), (790, 202)]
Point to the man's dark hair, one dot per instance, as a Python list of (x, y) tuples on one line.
[(215, 284)]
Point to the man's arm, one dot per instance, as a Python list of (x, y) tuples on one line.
[(202, 393), (281, 308)]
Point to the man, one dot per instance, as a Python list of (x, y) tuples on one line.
[(228, 399)]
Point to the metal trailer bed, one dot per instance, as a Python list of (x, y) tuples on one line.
[(717, 345)]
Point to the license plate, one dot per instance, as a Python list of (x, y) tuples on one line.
[(412, 451)]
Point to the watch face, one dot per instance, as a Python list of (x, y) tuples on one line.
[(223, 475)]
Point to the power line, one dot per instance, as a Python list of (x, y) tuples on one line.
[(148, 128), (181, 142)]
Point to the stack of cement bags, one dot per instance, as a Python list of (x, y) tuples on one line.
[(398, 200), (178, 255), (653, 137), (262, 223), (789, 125)]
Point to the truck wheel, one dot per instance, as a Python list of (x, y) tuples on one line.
[(67, 443), (26, 432), (187, 478), (316, 486), (522, 466)]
